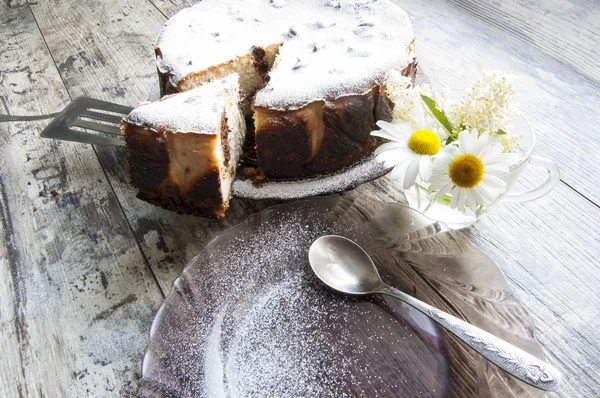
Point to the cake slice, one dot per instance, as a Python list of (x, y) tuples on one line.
[(184, 148)]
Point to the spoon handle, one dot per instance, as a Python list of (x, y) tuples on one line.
[(512, 359)]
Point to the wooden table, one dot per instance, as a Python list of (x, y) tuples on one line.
[(84, 265)]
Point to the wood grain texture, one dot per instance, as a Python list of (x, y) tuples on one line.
[(76, 295), (79, 239)]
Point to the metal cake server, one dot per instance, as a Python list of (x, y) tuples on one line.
[(344, 266), (83, 120)]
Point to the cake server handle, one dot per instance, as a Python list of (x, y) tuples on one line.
[(20, 118)]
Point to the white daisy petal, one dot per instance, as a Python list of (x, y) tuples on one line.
[(392, 157), (411, 173), (463, 139), (490, 154), (389, 146), (471, 202), (438, 180), (401, 129), (484, 193), (454, 200), (481, 144), (419, 115), (388, 135), (425, 167), (461, 199), (494, 181), (399, 170), (477, 196), (443, 191), (473, 140), (496, 169)]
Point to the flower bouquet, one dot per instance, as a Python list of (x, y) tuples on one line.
[(454, 156)]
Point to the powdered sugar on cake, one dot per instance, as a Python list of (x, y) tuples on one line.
[(197, 111), (330, 48)]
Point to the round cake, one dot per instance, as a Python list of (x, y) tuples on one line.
[(312, 73)]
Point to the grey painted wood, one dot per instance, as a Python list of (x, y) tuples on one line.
[(104, 49), (76, 295)]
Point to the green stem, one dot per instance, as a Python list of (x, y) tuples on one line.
[(445, 200)]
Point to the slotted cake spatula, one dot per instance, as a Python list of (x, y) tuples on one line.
[(84, 120)]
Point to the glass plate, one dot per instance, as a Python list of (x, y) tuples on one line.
[(248, 318)]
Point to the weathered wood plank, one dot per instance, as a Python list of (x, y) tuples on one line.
[(169, 240), (567, 31), (559, 99), (76, 295)]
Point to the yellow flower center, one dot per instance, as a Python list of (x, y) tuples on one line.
[(466, 171), (424, 142)]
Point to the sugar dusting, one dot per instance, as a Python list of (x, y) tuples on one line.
[(362, 172), (271, 339), (330, 48), (251, 320), (198, 110)]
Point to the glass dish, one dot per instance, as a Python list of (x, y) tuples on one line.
[(248, 318)]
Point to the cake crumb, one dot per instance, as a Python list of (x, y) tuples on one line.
[(54, 193), (249, 172), (34, 209), (259, 179), (41, 194)]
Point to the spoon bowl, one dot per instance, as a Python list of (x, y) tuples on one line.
[(343, 265)]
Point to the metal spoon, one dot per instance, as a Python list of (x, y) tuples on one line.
[(344, 266)]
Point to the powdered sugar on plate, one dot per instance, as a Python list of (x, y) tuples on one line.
[(248, 318)]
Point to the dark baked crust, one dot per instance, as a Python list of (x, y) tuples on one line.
[(284, 139), (149, 166), (260, 63), (348, 125), (148, 157), (164, 79), (198, 202)]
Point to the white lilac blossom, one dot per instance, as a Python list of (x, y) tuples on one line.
[(399, 89), (487, 106)]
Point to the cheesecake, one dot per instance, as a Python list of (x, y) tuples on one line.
[(184, 148), (312, 73)]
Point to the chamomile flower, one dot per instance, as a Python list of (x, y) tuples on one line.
[(470, 170), (411, 149)]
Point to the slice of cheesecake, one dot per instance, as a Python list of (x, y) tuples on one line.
[(184, 148)]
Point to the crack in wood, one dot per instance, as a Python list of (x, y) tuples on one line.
[(109, 311), (18, 285)]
